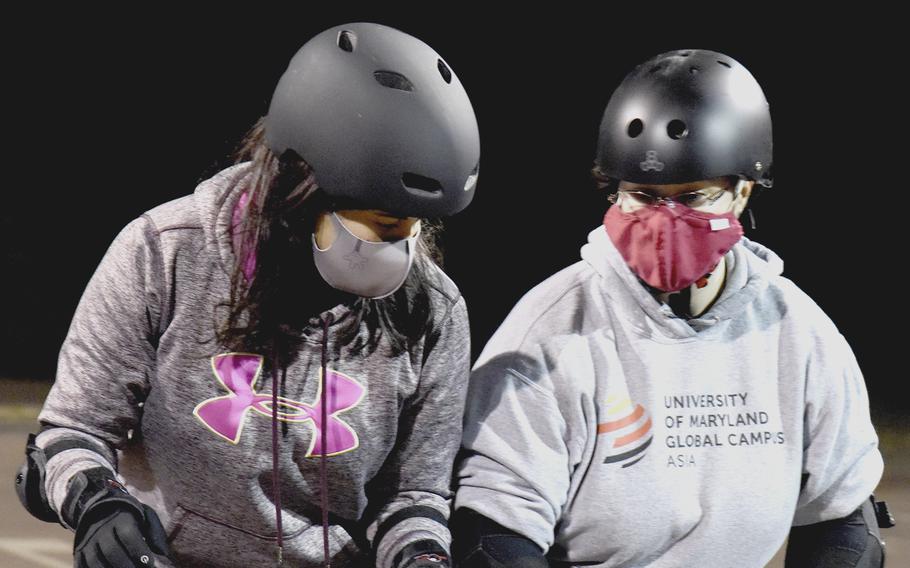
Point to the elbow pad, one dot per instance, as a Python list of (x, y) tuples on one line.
[(30, 483), (480, 542)]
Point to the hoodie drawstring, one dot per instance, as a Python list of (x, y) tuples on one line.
[(323, 477), (276, 485)]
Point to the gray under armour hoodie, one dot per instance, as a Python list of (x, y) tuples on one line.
[(612, 433), (143, 388)]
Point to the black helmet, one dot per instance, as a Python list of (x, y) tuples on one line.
[(684, 116), (382, 119)]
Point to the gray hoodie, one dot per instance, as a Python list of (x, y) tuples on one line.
[(142, 386), (613, 433)]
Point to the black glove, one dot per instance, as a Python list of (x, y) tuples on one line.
[(113, 528), (422, 554)]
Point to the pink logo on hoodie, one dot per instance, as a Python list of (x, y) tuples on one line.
[(239, 372)]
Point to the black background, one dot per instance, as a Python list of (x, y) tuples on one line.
[(114, 113)]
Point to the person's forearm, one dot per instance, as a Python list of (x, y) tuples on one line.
[(65, 452), (417, 527)]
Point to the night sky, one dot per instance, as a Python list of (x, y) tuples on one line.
[(114, 114)]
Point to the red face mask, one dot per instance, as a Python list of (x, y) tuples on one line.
[(671, 247)]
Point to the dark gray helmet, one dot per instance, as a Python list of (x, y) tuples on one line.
[(382, 119), (684, 116)]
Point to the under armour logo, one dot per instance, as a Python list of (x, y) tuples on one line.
[(239, 372), (651, 162)]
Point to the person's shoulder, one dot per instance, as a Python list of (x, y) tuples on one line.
[(562, 287), (800, 309), (557, 306), (179, 212), (782, 295), (188, 212), (554, 316), (443, 294), (176, 214)]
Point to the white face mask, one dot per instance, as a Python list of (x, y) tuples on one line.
[(365, 268)]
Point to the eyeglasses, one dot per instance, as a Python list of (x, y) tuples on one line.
[(636, 199)]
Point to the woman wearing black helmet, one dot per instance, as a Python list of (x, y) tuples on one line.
[(274, 366), (670, 399)]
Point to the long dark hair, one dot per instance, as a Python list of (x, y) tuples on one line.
[(270, 310)]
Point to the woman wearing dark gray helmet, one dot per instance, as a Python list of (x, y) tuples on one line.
[(273, 369), (670, 399)]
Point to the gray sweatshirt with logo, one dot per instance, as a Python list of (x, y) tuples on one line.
[(144, 388), (612, 433)]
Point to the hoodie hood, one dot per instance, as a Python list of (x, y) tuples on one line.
[(750, 267), (216, 199)]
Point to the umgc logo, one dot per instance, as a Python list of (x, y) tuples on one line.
[(627, 431)]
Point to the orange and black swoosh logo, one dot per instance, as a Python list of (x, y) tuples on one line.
[(627, 431)]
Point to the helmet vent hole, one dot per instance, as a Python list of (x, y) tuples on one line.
[(725, 64), (393, 80), (444, 71), (418, 183), (347, 41), (655, 69), (677, 129), (685, 53), (693, 70), (635, 128)]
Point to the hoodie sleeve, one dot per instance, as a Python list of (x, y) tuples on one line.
[(841, 461), (105, 362), (515, 467), (525, 425), (420, 471)]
